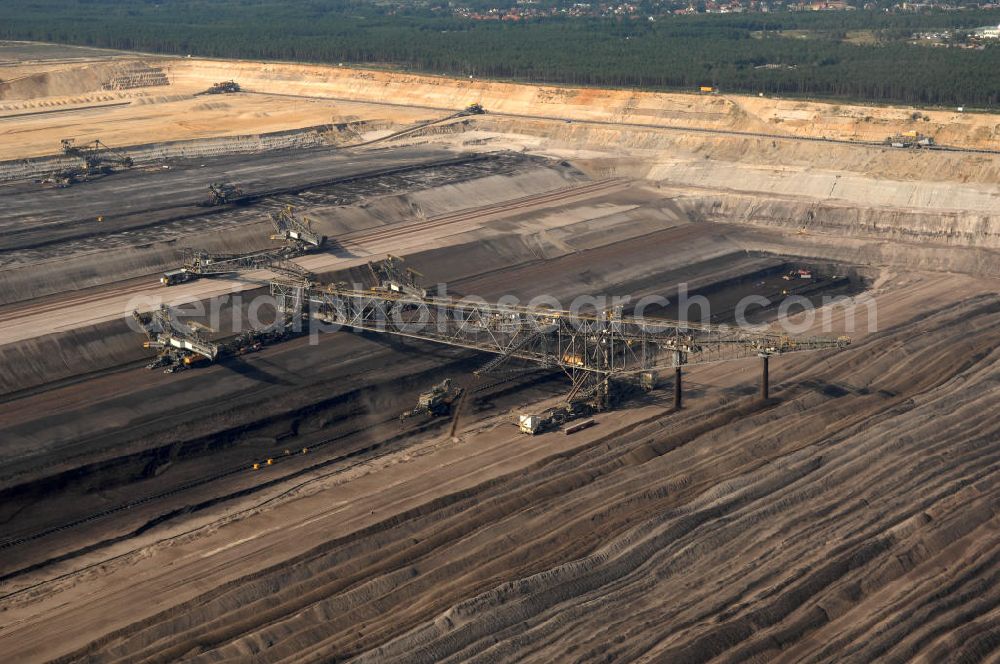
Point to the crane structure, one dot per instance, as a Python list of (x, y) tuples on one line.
[(909, 139), (605, 354), (296, 230), (96, 156), (97, 159), (291, 270), (205, 264), (297, 234), (600, 352)]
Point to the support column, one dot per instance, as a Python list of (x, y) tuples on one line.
[(678, 390), (764, 387)]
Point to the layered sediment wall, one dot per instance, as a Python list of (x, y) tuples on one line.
[(65, 86), (734, 112), (652, 153), (66, 80), (903, 241), (919, 228), (54, 357), (154, 153)]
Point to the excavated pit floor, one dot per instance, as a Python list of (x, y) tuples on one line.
[(170, 430)]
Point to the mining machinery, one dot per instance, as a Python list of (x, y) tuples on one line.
[(295, 230), (206, 264), (605, 355), (554, 417), (180, 345), (390, 276), (225, 87), (909, 139), (291, 271), (436, 401), (96, 159), (224, 193), (297, 234), (473, 109)]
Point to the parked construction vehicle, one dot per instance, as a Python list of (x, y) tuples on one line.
[(225, 87), (436, 401), (473, 109), (223, 193), (909, 139), (64, 178)]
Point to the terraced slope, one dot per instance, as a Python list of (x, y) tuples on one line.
[(853, 519)]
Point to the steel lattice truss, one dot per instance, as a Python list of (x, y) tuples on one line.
[(96, 155), (608, 345), (206, 264)]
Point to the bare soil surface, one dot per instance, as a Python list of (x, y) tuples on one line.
[(274, 507)]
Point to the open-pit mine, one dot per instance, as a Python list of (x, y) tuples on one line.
[(293, 367)]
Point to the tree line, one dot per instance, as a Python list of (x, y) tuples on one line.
[(738, 53)]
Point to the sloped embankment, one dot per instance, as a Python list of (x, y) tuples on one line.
[(720, 536), (732, 112)]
